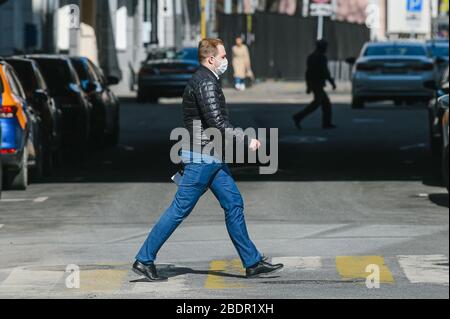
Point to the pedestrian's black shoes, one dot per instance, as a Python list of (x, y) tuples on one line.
[(148, 271), (262, 268)]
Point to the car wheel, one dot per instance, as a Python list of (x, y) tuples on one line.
[(435, 142), (18, 180), (357, 103), (445, 167), (115, 136), (49, 164), (37, 172)]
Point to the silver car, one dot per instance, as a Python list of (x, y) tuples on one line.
[(398, 71)]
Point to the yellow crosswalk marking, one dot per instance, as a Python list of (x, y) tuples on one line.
[(218, 271), (105, 280), (354, 267)]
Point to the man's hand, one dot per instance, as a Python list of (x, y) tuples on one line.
[(254, 145)]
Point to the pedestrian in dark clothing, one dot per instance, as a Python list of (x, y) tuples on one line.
[(204, 107), (317, 75)]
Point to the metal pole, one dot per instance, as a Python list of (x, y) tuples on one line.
[(320, 27), (203, 18)]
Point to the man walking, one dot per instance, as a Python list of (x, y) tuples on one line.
[(317, 75), (204, 107)]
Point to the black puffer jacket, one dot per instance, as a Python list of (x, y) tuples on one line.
[(204, 106)]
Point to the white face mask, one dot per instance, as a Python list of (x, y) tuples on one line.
[(223, 67)]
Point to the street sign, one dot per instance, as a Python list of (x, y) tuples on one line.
[(321, 8), (415, 6), (409, 17)]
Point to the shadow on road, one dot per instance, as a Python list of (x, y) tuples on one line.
[(440, 199), (369, 149)]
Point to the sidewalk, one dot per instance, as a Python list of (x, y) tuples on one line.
[(272, 92), (282, 92)]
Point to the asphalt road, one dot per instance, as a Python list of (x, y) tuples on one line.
[(368, 193)]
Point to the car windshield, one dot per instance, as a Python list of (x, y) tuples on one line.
[(57, 75), (188, 54), (1, 86), (184, 54), (26, 75), (396, 50), (439, 51), (80, 69)]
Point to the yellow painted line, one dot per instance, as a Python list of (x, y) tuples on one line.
[(354, 267), (105, 280), (218, 270)]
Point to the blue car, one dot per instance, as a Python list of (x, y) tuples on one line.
[(15, 127), (166, 72)]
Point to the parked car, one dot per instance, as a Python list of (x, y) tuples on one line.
[(436, 113), (166, 73), (393, 71), (1, 166), (443, 103), (15, 127), (105, 121), (38, 96), (65, 87), (439, 49)]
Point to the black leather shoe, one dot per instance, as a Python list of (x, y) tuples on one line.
[(263, 268), (148, 272)]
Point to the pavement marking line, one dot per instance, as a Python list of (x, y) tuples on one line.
[(430, 269), (25, 281), (1, 225), (102, 280), (303, 263), (173, 285), (354, 267), (219, 269), (40, 199)]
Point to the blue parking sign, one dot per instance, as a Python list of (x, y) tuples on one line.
[(415, 5)]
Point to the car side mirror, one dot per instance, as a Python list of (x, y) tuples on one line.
[(40, 97), (112, 80), (91, 87), (351, 60)]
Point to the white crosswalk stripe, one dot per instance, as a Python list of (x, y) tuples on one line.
[(430, 269), (173, 285), (22, 281), (299, 263)]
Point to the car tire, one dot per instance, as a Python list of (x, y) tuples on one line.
[(445, 167), (115, 136), (435, 142), (18, 180), (37, 172), (357, 103)]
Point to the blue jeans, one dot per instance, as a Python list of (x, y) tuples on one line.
[(201, 173)]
